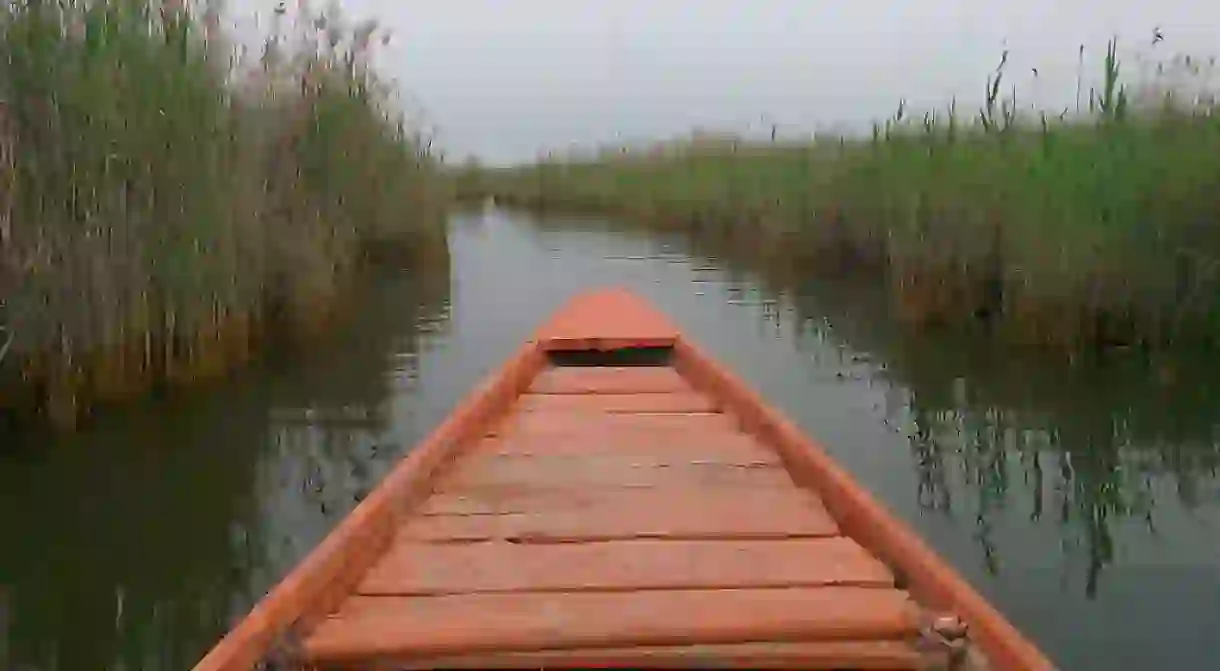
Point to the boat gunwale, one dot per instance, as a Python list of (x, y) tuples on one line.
[(929, 578), (328, 574)]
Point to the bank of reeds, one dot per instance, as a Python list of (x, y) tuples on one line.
[(166, 208), (1082, 230)]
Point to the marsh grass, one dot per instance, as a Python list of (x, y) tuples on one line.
[(1072, 230), (165, 206)]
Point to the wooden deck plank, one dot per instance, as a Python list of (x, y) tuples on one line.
[(659, 513), (677, 402), (371, 627), (611, 380), (822, 656), (606, 320), (538, 424), (415, 569), (616, 517), (624, 461), (477, 473), (717, 444), (498, 501)]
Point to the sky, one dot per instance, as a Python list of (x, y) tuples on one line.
[(503, 79)]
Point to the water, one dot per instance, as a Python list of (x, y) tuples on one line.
[(1084, 503)]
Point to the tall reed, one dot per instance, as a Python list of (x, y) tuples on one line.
[(162, 202), (1086, 230)]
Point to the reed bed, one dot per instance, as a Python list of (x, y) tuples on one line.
[(1089, 229), (166, 206)]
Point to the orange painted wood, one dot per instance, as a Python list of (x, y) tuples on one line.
[(606, 319), (538, 424), (621, 380), (672, 514), (500, 469), (678, 402), (718, 444), (863, 517), (329, 573), (625, 460), (474, 623), (607, 472), (414, 569), (745, 503), (821, 656)]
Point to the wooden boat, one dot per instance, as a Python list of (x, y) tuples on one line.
[(613, 497)]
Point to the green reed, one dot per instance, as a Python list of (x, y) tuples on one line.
[(1108, 218), (157, 191)]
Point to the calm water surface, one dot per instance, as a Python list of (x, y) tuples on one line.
[(1085, 503)]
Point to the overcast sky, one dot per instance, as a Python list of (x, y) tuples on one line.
[(503, 78)]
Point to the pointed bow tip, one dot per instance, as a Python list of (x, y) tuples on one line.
[(605, 319)]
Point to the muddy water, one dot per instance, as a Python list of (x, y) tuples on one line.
[(1085, 502)]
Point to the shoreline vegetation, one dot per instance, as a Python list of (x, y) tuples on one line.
[(990, 430), (1080, 232), (168, 208)]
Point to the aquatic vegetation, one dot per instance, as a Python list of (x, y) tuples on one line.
[(1078, 229), (165, 204)]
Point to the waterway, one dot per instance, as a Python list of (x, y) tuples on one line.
[(1083, 501)]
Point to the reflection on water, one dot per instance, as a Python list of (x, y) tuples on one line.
[(1084, 503), (133, 544), (1097, 452)]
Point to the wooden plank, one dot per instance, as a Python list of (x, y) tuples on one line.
[(332, 569), (553, 623), (538, 424), (607, 319), (678, 402), (610, 380), (624, 461), (821, 656), (499, 501), (417, 569), (931, 578), (372, 627), (707, 444), (608, 472), (660, 514)]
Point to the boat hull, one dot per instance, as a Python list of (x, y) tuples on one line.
[(613, 496)]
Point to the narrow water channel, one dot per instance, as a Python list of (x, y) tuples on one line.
[(1084, 503)]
